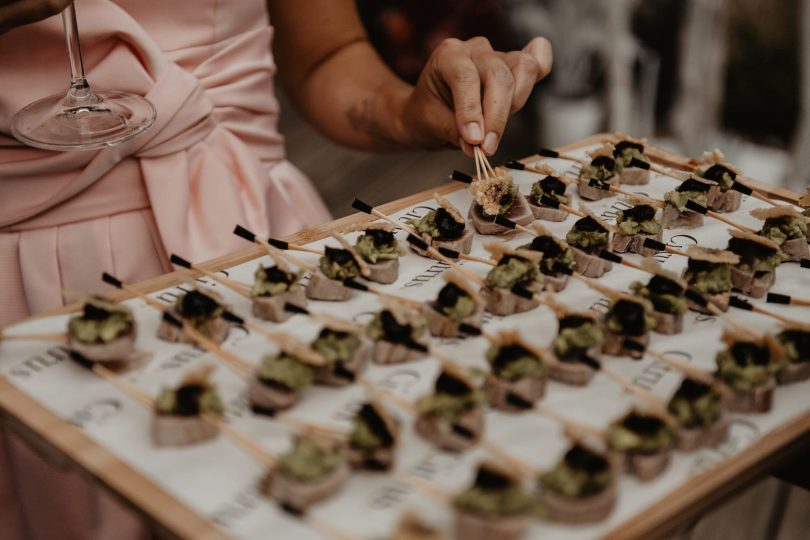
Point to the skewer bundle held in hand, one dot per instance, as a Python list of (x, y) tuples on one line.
[(592, 333)]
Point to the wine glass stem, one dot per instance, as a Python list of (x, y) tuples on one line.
[(79, 89)]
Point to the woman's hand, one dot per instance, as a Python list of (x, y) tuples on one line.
[(14, 13), (463, 97), (467, 92)]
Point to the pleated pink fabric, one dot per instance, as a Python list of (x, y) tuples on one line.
[(214, 158)]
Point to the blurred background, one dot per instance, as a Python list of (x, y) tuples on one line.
[(690, 75)]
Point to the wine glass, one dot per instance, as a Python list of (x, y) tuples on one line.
[(82, 119)]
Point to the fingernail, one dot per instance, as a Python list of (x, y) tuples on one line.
[(474, 131), (491, 142)]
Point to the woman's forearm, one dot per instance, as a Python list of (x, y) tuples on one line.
[(335, 77), (354, 99), (464, 95)]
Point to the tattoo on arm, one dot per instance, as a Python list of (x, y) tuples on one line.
[(362, 116)]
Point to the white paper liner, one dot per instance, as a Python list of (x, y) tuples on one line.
[(219, 481)]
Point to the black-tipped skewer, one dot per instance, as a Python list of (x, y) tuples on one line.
[(785, 299), (273, 250), (238, 287)]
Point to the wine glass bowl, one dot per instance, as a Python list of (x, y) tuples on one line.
[(63, 123), (81, 119)]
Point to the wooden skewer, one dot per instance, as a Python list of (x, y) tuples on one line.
[(554, 154), (776, 298), (741, 303), (409, 406), (272, 250), (692, 372), (553, 203), (368, 209), (242, 368), (420, 484), (714, 215), (653, 401), (244, 442), (324, 529), (238, 287), (658, 155), (569, 425), (248, 445), (485, 165), (353, 284), (716, 311), (56, 338), (284, 245), (322, 318), (239, 365), (478, 164), (434, 253), (691, 205)]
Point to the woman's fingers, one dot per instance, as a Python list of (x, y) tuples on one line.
[(540, 49), (525, 69), (479, 86), (19, 12), (498, 92), (528, 66), (461, 75)]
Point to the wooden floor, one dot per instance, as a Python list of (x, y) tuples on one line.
[(770, 510)]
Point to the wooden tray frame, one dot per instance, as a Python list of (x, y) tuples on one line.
[(67, 446)]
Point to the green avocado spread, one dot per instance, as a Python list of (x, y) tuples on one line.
[(573, 341), (502, 500), (339, 270), (538, 193), (579, 474), (640, 434), (696, 405), (189, 400), (629, 154), (628, 318), (673, 304), (309, 461), (448, 406), (426, 224), (596, 172), (100, 323), (514, 362), (678, 199), (590, 241), (455, 303), (630, 227), (724, 180), (273, 281), (198, 308), (363, 437), (336, 346), (780, 230), (745, 366), (375, 252), (716, 279), (513, 270), (796, 344), (384, 326), (286, 371)]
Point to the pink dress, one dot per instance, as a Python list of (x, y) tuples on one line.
[(213, 159)]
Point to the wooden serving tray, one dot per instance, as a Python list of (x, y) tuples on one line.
[(69, 446)]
